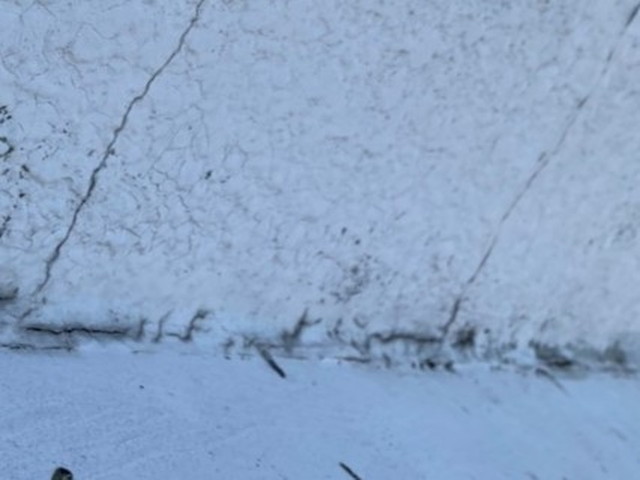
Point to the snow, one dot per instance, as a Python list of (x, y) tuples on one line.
[(415, 167), (105, 414), (433, 204)]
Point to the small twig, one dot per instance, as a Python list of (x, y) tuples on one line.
[(267, 357), (350, 472), (542, 372)]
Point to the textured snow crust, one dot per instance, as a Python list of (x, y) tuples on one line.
[(416, 181)]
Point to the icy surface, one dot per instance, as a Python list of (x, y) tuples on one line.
[(455, 174), (117, 415)]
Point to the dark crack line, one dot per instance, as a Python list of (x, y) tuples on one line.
[(82, 330), (292, 338), (403, 337), (632, 16), (542, 163), (31, 347), (193, 325), (50, 262)]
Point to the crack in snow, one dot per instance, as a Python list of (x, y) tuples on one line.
[(18, 346), (631, 17), (50, 262), (292, 338), (542, 163), (68, 330)]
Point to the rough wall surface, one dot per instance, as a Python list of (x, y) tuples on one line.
[(360, 178)]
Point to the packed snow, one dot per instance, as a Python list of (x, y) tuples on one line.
[(108, 414)]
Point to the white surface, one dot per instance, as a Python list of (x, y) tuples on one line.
[(354, 159), (117, 415)]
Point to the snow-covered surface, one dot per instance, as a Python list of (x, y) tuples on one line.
[(107, 414), (405, 184), (417, 176)]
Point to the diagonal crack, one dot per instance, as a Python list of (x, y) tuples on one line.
[(55, 255), (632, 16), (543, 162)]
